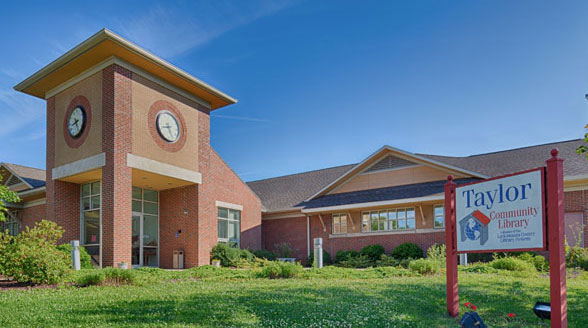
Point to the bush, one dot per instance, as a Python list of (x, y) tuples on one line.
[(326, 258), (265, 254), (479, 268), (85, 259), (230, 256), (33, 257), (387, 261), (437, 252), (424, 266), (107, 276), (284, 250), (345, 255), (374, 252), (538, 261), (407, 251), (512, 264), (277, 269), (361, 261), (577, 257), (480, 257)]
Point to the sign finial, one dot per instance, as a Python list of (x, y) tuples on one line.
[(554, 152), (450, 178)]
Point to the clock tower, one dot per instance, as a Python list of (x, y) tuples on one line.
[(130, 170)]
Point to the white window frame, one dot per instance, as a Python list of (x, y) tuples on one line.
[(442, 216), (376, 215), (228, 219), (11, 224), (141, 215), (91, 209), (337, 223)]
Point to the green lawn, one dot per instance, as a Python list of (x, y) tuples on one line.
[(331, 298)]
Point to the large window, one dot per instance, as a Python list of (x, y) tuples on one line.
[(439, 212), (90, 225), (145, 227), (10, 225), (388, 220), (339, 223), (229, 225)]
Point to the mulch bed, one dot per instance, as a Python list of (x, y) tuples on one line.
[(7, 284)]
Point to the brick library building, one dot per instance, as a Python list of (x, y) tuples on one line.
[(131, 174)]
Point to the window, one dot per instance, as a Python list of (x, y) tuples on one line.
[(439, 212), (388, 220), (11, 225), (90, 232), (229, 225), (339, 223)]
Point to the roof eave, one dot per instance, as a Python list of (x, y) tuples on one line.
[(105, 34)]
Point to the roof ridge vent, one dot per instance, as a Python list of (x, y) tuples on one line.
[(13, 180), (388, 163)]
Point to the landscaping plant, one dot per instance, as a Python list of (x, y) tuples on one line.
[(326, 258), (374, 252), (85, 259), (424, 266), (345, 255), (278, 269), (407, 251)]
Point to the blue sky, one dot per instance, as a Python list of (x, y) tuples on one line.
[(326, 83)]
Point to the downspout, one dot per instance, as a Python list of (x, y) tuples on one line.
[(308, 235)]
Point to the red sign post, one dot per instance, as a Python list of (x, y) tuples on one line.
[(552, 195)]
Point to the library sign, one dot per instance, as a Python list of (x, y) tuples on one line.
[(511, 213), (502, 214)]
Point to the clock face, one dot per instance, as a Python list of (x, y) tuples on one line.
[(76, 121), (168, 126)]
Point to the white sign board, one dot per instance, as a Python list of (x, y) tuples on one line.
[(501, 214)]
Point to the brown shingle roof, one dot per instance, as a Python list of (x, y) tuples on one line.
[(285, 192), (514, 160), (26, 172)]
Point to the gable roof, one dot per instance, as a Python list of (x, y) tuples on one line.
[(380, 153), (34, 177), (288, 192)]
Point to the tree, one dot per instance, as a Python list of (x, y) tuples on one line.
[(6, 196)]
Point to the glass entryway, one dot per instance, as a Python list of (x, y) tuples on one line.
[(145, 224)]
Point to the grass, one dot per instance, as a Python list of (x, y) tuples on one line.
[(330, 297)]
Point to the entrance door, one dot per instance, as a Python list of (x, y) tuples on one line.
[(144, 240)]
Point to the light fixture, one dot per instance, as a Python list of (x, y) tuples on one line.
[(542, 310), (471, 320)]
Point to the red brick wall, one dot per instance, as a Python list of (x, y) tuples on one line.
[(220, 183), (62, 198), (178, 210), (286, 230), (31, 215), (116, 175), (577, 201)]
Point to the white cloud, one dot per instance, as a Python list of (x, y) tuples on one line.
[(171, 31)]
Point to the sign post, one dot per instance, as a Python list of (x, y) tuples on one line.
[(508, 214), (557, 257)]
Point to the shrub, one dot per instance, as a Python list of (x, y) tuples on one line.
[(577, 257), (85, 259), (345, 255), (94, 278), (424, 266), (33, 257), (277, 269), (326, 258), (387, 261), (512, 264), (374, 252), (361, 261), (407, 251), (479, 268), (265, 254), (284, 250), (480, 257), (437, 252), (538, 261), (230, 256)]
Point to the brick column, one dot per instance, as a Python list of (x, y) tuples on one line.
[(207, 223), (62, 198), (116, 175)]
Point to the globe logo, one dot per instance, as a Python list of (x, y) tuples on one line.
[(472, 229)]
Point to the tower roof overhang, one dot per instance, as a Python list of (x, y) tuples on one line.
[(105, 45)]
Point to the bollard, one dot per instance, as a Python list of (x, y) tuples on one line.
[(75, 254), (318, 253), (463, 259)]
